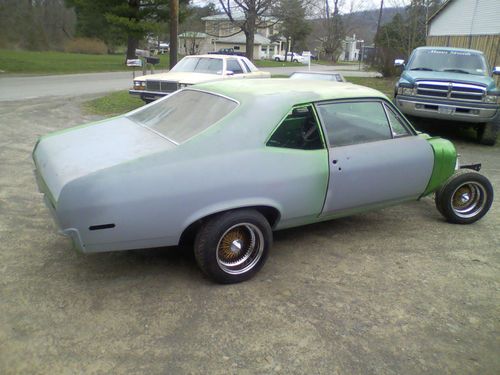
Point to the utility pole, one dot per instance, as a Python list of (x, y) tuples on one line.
[(174, 31), (380, 16)]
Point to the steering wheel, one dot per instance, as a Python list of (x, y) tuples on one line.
[(310, 131)]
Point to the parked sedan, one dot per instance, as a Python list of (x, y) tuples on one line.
[(322, 76), (229, 162), (192, 70), (291, 56)]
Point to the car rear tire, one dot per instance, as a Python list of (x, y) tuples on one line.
[(233, 246), (465, 197), (295, 60), (487, 134)]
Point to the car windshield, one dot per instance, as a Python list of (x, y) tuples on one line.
[(199, 65), (184, 114), (448, 61), (318, 77)]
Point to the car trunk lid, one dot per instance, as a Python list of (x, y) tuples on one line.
[(64, 156)]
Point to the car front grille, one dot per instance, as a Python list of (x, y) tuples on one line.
[(451, 90), (163, 86)]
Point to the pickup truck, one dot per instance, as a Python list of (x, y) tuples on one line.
[(227, 51), (451, 84)]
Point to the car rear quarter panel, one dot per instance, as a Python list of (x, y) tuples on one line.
[(152, 200)]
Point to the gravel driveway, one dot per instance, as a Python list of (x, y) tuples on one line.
[(397, 291)]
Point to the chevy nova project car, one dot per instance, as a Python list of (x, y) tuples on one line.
[(192, 70), (229, 162)]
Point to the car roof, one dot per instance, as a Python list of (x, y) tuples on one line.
[(283, 88), (449, 49)]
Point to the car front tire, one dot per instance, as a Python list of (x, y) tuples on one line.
[(233, 246), (465, 197), (295, 60), (277, 59)]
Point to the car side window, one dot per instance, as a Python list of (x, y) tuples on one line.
[(246, 66), (299, 130), (349, 123), (234, 66), (398, 129)]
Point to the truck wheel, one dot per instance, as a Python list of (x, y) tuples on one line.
[(465, 197), (233, 246), (487, 134)]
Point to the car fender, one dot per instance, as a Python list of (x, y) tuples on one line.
[(232, 205)]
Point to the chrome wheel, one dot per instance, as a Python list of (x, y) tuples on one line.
[(240, 248), (468, 199)]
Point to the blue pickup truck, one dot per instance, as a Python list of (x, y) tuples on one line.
[(451, 84)]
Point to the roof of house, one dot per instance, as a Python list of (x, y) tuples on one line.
[(241, 39), (444, 5), (237, 16), (193, 34)]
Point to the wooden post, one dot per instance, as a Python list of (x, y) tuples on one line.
[(174, 31)]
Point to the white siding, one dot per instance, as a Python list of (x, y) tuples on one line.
[(464, 17)]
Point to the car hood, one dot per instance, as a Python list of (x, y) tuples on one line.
[(181, 77), (70, 154), (421, 75)]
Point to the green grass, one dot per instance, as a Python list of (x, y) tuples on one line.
[(385, 85), (113, 104), (274, 64), (330, 62), (29, 62)]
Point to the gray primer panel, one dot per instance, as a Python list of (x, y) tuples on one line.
[(383, 171)]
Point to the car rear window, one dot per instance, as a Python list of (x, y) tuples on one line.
[(184, 114)]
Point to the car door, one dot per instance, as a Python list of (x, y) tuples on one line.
[(375, 159)]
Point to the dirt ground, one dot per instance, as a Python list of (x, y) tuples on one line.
[(397, 291)]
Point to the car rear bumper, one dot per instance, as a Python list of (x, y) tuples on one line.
[(148, 95), (449, 110)]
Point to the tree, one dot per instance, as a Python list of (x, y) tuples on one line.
[(117, 21), (334, 31), (294, 26), (398, 38), (255, 14)]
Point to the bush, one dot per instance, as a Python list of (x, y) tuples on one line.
[(86, 45)]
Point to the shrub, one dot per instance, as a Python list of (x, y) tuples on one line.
[(86, 45)]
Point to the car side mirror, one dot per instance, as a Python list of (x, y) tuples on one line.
[(399, 62), (496, 70)]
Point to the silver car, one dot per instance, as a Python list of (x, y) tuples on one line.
[(227, 163)]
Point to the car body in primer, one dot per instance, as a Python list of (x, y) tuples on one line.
[(134, 181)]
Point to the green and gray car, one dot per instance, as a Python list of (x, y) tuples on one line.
[(451, 84), (227, 163)]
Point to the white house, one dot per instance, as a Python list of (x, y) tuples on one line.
[(220, 32)]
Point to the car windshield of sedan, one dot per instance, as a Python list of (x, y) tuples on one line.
[(315, 76), (184, 114), (199, 65)]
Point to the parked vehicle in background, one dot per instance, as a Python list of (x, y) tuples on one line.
[(192, 70), (319, 76), (231, 161), (291, 56), (309, 54), (227, 51), (451, 84)]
